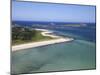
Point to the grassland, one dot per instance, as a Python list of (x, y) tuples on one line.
[(34, 38)]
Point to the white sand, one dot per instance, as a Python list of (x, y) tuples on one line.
[(58, 39)]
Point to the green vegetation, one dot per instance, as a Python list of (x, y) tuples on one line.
[(22, 35)]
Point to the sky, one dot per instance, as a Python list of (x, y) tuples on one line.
[(32, 11)]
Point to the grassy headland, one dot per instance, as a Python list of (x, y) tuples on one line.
[(21, 35)]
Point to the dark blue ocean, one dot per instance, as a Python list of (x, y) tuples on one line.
[(88, 32), (79, 54)]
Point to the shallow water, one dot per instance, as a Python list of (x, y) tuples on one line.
[(78, 54)]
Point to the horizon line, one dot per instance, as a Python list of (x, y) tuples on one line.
[(53, 21)]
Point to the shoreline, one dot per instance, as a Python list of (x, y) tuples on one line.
[(58, 39)]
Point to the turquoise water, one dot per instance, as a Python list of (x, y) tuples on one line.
[(78, 54)]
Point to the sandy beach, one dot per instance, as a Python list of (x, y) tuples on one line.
[(58, 39)]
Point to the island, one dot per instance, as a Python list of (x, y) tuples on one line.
[(24, 37)]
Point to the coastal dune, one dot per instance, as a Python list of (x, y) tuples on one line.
[(58, 39)]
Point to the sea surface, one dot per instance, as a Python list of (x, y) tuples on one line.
[(79, 54)]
